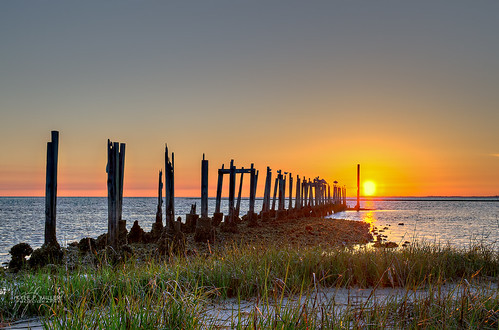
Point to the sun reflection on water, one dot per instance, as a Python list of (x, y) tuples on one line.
[(369, 216)]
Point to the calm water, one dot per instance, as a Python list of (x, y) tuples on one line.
[(457, 222)]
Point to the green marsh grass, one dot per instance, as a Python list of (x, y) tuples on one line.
[(177, 292)]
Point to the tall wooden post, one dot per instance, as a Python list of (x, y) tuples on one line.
[(253, 183), (219, 189), (204, 188), (111, 193), (256, 180), (310, 192), (159, 210), (281, 191), (51, 189), (317, 191), (328, 194), (238, 203), (232, 191), (345, 196), (298, 193), (275, 191), (323, 193), (121, 177), (290, 206), (305, 193), (115, 175), (169, 190), (266, 192), (358, 188)]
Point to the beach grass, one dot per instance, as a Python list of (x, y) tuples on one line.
[(177, 292)]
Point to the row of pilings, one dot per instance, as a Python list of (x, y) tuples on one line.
[(305, 197)]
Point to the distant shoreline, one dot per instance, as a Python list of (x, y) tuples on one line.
[(362, 199)]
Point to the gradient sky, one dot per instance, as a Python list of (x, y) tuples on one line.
[(408, 89)]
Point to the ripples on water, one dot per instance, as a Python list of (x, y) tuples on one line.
[(22, 219), (457, 222)]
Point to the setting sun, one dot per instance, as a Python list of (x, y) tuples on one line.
[(369, 188)]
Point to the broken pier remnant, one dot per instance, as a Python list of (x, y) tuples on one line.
[(115, 176), (170, 191), (51, 189)]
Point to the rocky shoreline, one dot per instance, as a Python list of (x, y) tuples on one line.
[(160, 242)]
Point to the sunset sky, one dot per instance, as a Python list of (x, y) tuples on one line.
[(408, 89)]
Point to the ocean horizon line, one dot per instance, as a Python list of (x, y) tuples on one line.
[(362, 198)]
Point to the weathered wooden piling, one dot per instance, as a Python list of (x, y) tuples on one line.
[(298, 193), (51, 189), (281, 191), (358, 188), (204, 231), (290, 205), (115, 176), (305, 193), (191, 219), (232, 191), (219, 189), (238, 203), (266, 195), (204, 188), (317, 189), (310, 193), (281, 211), (159, 209), (256, 180), (121, 178), (275, 191), (329, 194), (252, 220), (170, 190)]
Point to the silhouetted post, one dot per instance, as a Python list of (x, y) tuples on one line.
[(335, 197), (266, 192), (290, 206), (238, 204), (218, 216), (169, 190), (328, 194), (298, 192), (317, 192), (311, 193), (324, 193), (204, 231), (115, 175), (204, 188), (256, 180), (275, 191), (51, 189), (232, 191), (121, 177), (281, 192), (358, 188), (305, 193), (345, 196), (219, 189), (159, 210), (253, 182)]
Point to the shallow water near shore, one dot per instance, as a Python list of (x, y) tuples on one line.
[(443, 220), (460, 222)]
